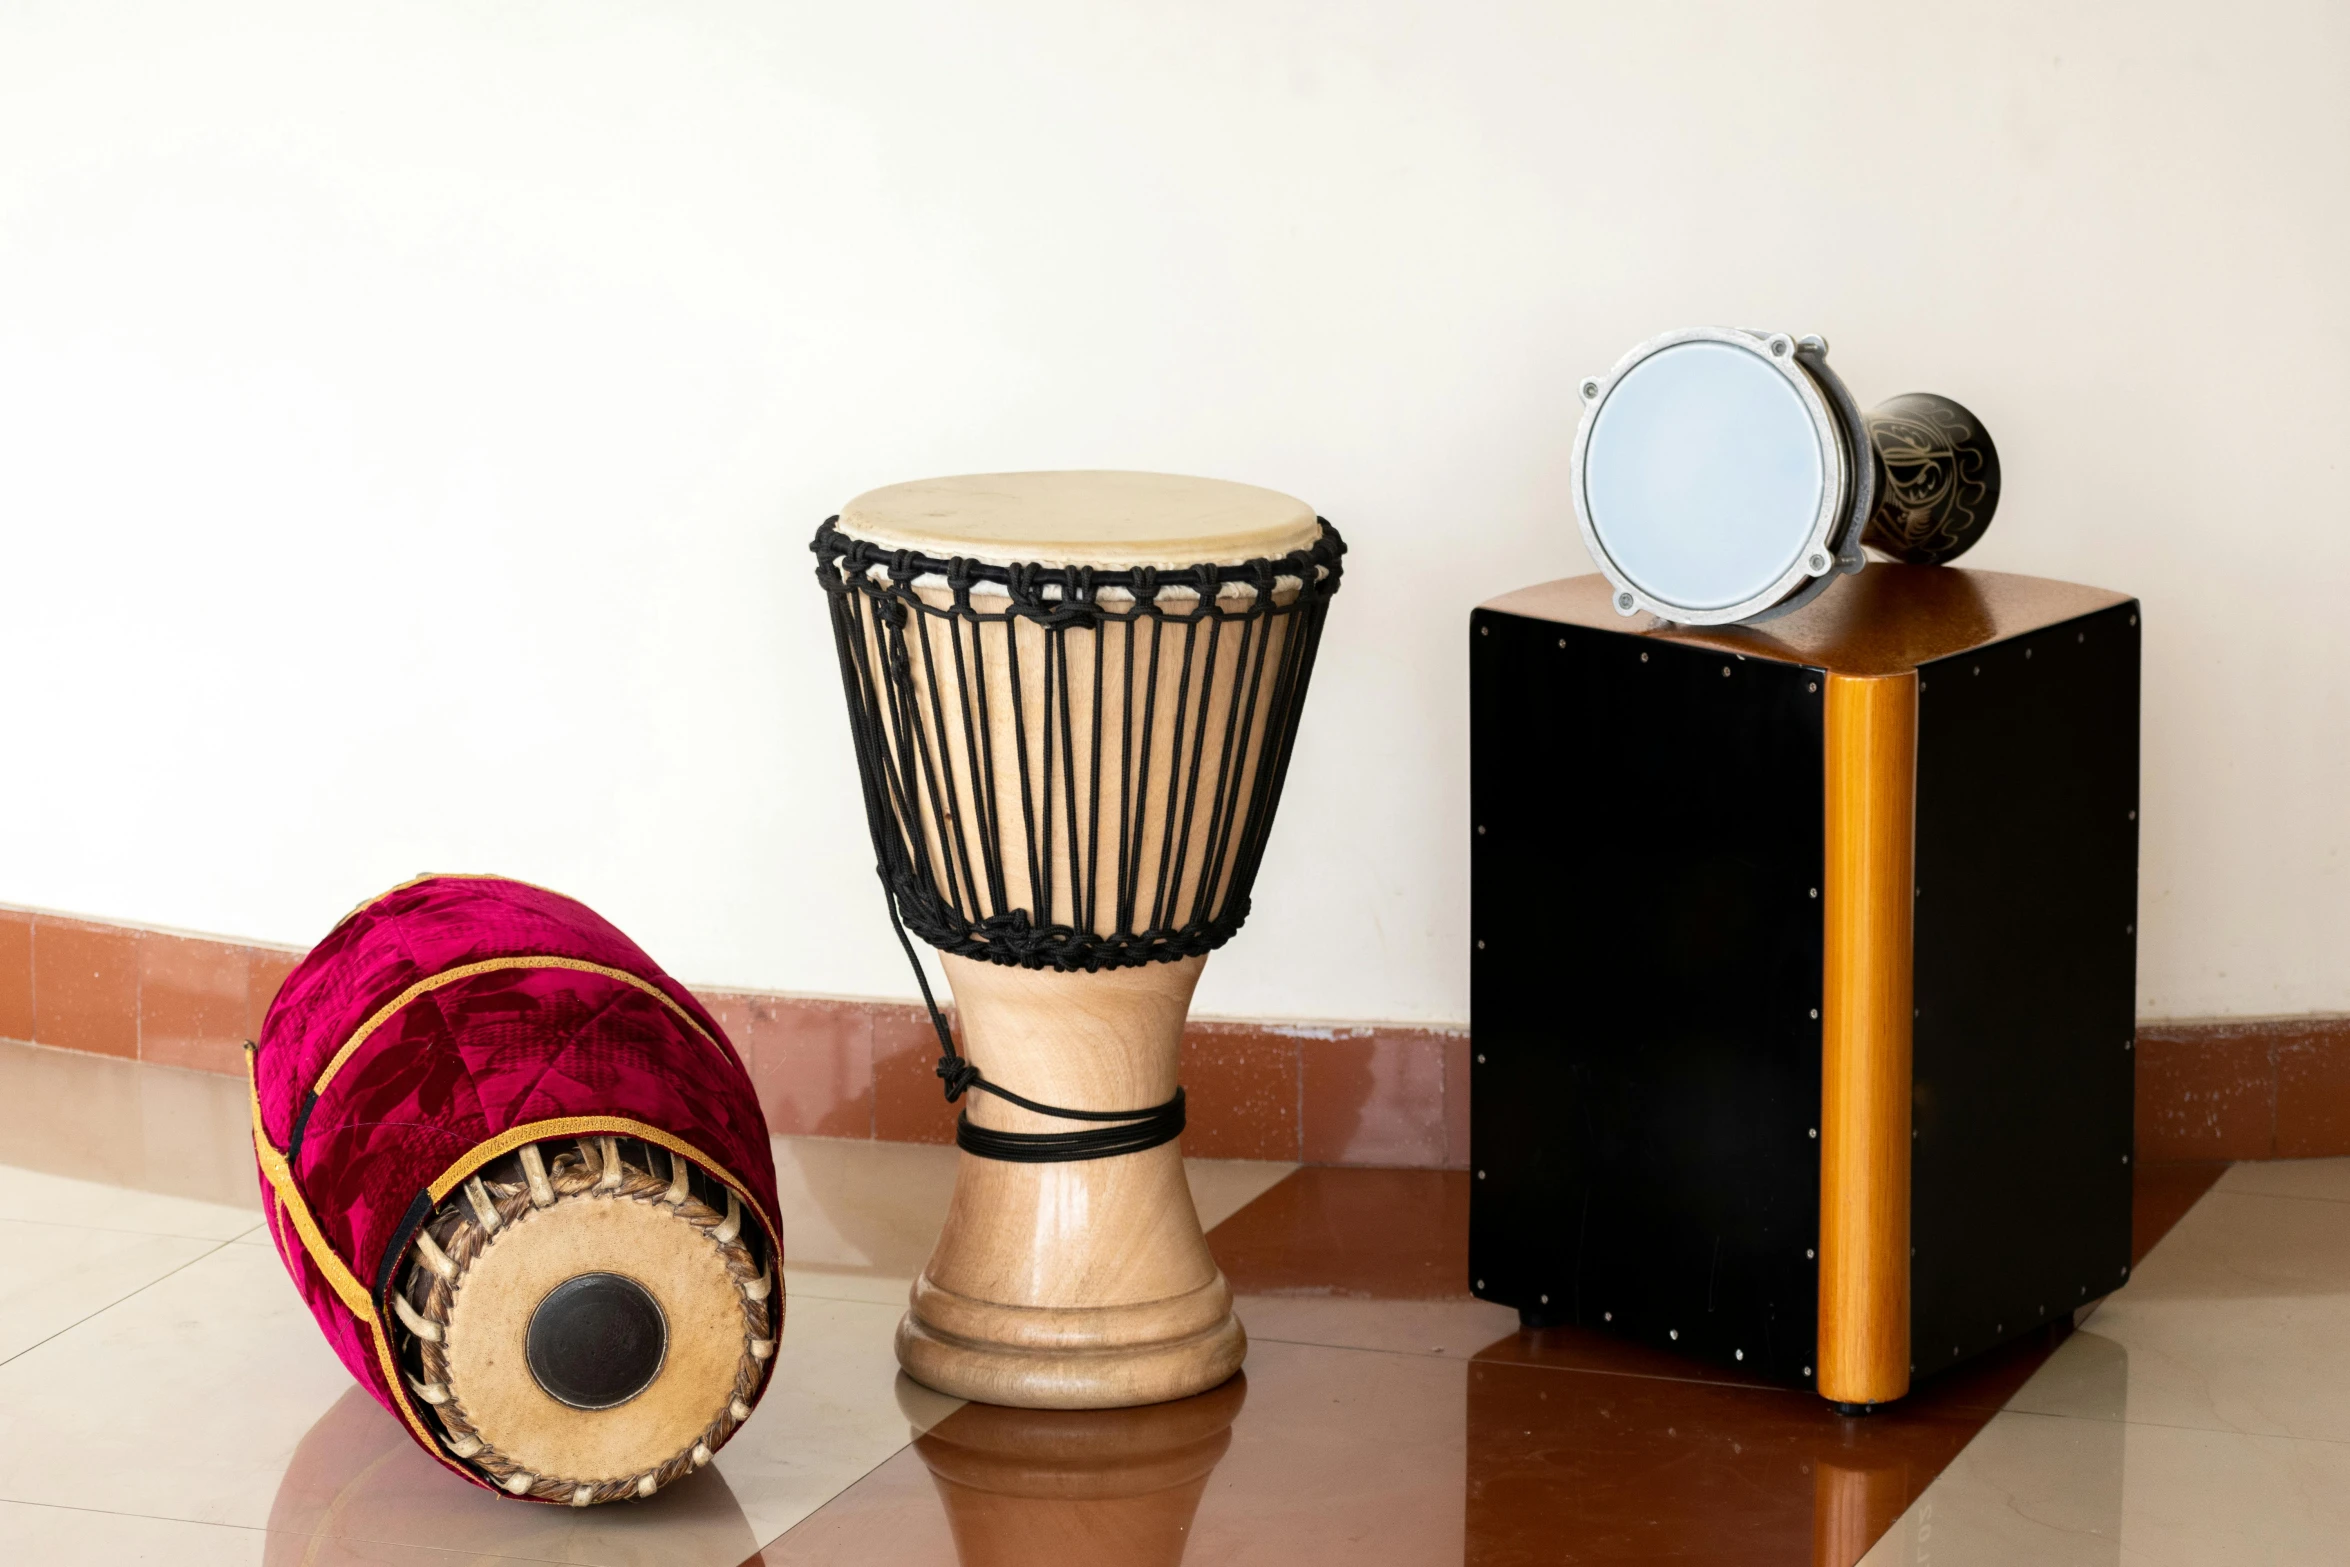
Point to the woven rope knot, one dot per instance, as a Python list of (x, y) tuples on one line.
[(958, 1074)]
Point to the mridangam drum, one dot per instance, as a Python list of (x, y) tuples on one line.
[(523, 1182), (1073, 698)]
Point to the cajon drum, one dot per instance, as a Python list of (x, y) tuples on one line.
[(1803, 970)]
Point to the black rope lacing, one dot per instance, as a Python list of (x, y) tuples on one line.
[(919, 782)]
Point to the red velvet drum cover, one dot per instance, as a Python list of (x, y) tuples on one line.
[(442, 1026)]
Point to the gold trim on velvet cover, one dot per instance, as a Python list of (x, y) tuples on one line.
[(389, 1009)]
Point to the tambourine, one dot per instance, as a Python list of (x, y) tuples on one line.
[(1724, 475)]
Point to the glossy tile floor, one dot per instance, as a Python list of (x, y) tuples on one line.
[(164, 1396)]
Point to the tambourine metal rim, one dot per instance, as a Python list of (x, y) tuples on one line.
[(1831, 545)]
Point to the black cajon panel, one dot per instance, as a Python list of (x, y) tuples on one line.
[(1648, 841), (2027, 873)]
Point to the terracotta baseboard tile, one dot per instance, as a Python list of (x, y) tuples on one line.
[(909, 1102), (1240, 1092), (16, 975), (1349, 1094), (2244, 1088), (1372, 1096), (812, 1062), (86, 986), (2313, 1087), (194, 1002), (2205, 1091)]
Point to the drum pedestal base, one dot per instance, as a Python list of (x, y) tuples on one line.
[(1079, 1285), (1115, 1361)]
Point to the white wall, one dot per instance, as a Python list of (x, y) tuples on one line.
[(412, 417)]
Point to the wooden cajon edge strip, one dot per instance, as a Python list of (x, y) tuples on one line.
[(1865, 1014)]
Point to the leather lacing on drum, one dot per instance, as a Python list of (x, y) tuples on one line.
[(957, 899), (440, 1262)]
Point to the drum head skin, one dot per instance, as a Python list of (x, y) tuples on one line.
[(1711, 477), (1108, 519), (603, 1337)]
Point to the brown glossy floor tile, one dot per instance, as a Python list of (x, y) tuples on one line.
[(1345, 1456), (2161, 1192), (192, 1002), (908, 1105), (812, 1063), (1373, 1096), (1240, 1087), (1373, 1233), (16, 975), (1565, 1466), (85, 987)]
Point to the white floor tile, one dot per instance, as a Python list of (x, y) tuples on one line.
[(214, 1389), (2324, 1179), (33, 1536), (58, 1274), (861, 1207), (128, 1123), (2239, 1321), (821, 1284), (1220, 1188), (195, 1391), (1458, 1328), (42, 1198), (833, 1412), (2037, 1491)]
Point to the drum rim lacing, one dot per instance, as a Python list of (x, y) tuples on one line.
[(1060, 599), (471, 1217)]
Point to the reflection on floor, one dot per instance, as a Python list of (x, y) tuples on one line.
[(164, 1396)]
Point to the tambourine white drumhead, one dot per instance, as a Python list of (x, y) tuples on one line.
[(1703, 475), (1107, 519)]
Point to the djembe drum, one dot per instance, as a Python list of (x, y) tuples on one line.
[(1074, 697), (522, 1180)]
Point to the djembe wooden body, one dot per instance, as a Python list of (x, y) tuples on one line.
[(1074, 697)]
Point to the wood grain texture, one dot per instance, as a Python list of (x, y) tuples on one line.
[(1888, 620), (1865, 1016), (1085, 1285)]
